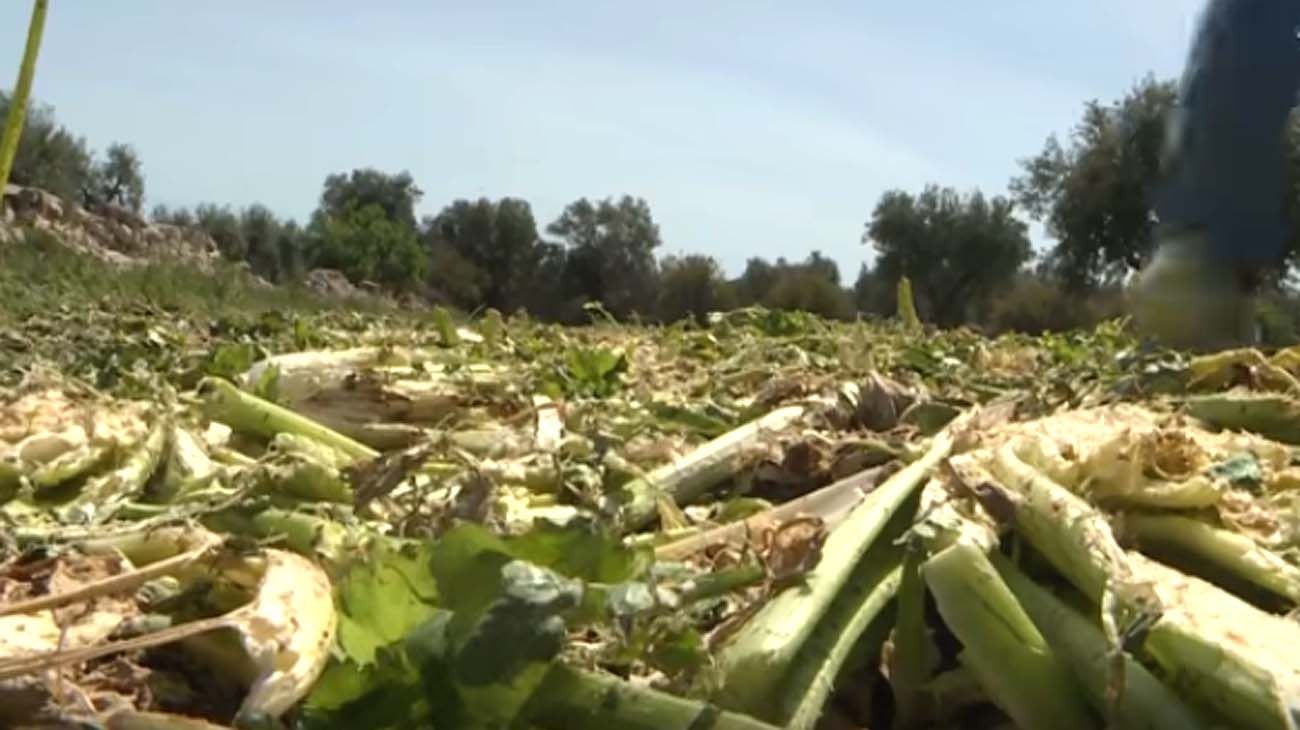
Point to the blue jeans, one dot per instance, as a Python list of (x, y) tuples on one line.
[(1224, 166)]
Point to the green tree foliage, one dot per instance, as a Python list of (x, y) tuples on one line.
[(454, 279), (118, 180), (957, 250), (366, 245), (275, 247), (872, 294), (546, 295), (812, 285), (691, 287), (1035, 302), (223, 224), (172, 216), (1093, 195), (806, 289), (365, 227), (823, 267), (395, 194), (755, 282), (499, 239), (49, 156), (610, 256)]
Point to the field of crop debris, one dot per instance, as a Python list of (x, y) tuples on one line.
[(387, 520)]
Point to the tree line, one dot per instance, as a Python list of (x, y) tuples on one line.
[(968, 254)]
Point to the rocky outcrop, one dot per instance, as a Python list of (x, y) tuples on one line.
[(331, 284), (121, 236), (110, 233)]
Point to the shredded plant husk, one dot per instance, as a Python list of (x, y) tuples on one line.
[(769, 520)]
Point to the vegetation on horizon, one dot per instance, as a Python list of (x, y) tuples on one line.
[(968, 255)]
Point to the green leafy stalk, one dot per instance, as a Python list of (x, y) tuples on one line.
[(574, 699), (1001, 645), (722, 582), (305, 478), (296, 443), (687, 478), (329, 541), (1271, 415), (103, 495), (1237, 553), (907, 305), (915, 658), (1231, 656), (246, 412), (1073, 536), (22, 91), (812, 677), (761, 653), (67, 466), (1143, 703)]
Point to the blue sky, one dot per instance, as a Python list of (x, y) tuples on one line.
[(752, 128)]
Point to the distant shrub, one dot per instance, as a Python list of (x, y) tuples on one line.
[(1033, 305)]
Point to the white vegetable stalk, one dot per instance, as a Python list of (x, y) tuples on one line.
[(689, 477), (1232, 657)]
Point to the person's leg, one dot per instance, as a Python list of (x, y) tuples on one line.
[(1220, 199)]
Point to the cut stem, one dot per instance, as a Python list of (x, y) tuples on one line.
[(574, 699), (1001, 645), (704, 468), (1237, 553), (1143, 703), (827, 503), (811, 680), (758, 657), (22, 92), (243, 411)]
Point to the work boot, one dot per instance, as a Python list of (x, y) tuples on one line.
[(1186, 299)]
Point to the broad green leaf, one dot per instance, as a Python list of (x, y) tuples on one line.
[(384, 597), (524, 626), (581, 548), (232, 360)]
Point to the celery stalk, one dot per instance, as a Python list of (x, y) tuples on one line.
[(1144, 703), (22, 90), (1014, 663), (757, 658), (811, 679), (246, 412), (687, 478), (103, 495), (1237, 553), (574, 699), (1228, 655)]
